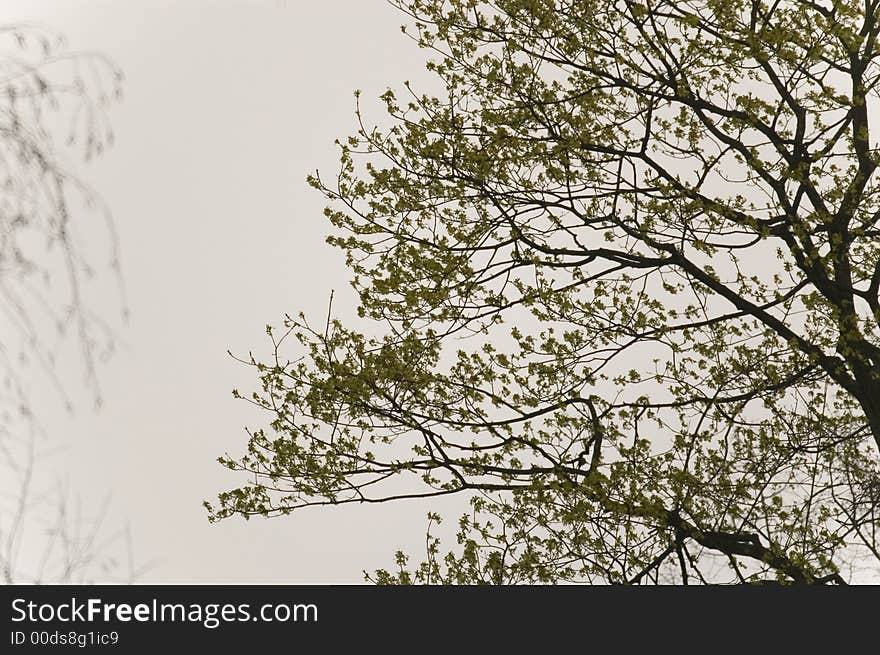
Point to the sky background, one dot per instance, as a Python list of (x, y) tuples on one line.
[(227, 107)]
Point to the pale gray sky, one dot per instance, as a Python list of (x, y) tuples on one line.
[(228, 105)]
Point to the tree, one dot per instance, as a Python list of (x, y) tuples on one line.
[(627, 269), (48, 320)]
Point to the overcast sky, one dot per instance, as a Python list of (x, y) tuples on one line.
[(228, 105)]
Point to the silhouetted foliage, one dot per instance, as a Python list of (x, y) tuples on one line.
[(627, 269)]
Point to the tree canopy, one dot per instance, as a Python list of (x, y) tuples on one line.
[(618, 286)]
